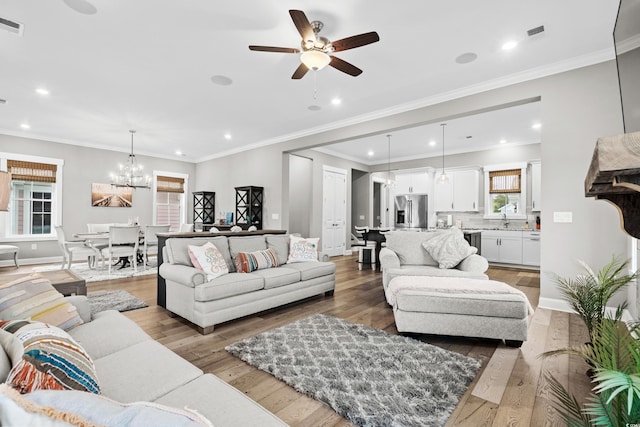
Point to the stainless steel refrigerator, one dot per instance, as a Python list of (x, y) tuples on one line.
[(411, 211)]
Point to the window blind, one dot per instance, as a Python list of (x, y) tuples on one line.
[(505, 181), (167, 184), (31, 171)]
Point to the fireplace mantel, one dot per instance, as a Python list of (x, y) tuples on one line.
[(614, 176)]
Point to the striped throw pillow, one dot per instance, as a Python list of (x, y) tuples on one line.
[(246, 262), (33, 297), (50, 359)]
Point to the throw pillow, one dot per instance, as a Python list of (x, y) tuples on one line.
[(449, 248), (33, 297), (302, 250), (209, 259), (246, 262), (50, 359)]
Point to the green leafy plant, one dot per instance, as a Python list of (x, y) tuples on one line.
[(589, 293), (615, 355)]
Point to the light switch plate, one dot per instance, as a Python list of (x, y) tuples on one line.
[(361, 216), (563, 217), (275, 216)]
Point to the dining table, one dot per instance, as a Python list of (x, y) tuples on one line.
[(100, 240)]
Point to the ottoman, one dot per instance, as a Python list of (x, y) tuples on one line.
[(460, 307), (10, 249)]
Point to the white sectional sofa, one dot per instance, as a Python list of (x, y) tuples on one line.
[(132, 367), (209, 302)]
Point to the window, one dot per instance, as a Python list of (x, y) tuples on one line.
[(170, 201), (35, 197), (505, 191)]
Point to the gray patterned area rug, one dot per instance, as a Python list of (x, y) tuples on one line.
[(368, 376), (114, 300)]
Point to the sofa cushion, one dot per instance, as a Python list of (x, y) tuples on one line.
[(33, 297), (221, 403), (449, 248), (5, 363), (228, 285), (49, 359), (408, 246), (246, 262), (144, 371), (109, 332), (276, 277), (311, 270), (302, 250), (280, 244), (178, 249), (246, 244), (209, 259)]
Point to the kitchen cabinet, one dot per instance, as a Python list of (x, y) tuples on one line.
[(531, 248), (460, 194), (536, 184), (503, 247), (416, 182)]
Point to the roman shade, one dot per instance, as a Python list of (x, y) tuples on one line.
[(167, 184), (31, 171), (505, 181)]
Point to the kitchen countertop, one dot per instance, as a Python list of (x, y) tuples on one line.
[(464, 230)]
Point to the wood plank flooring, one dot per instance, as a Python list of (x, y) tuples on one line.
[(518, 386)]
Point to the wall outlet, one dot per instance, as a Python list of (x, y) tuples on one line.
[(362, 217), (563, 217), (275, 216), (34, 246)]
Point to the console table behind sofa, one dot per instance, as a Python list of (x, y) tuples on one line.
[(162, 239)]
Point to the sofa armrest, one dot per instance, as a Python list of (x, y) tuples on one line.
[(474, 263), (388, 259), (185, 275), (81, 303)]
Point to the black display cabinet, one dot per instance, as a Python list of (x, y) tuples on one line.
[(249, 206), (204, 207)]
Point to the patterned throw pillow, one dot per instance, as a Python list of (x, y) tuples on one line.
[(209, 259), (302, 250), (449, 248), (246, 262), (50, 359), (33, 297)]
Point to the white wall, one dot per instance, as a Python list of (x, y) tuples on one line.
[(300, 193)]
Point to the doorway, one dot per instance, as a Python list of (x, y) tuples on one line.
[(334, 210)]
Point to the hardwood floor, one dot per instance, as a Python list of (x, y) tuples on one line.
[(511, 382)]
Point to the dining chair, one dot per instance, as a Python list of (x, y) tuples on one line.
[(123, 242), (151, 241), (366, 249), (77, 248)]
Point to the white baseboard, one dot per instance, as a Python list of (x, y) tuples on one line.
[(348, 252), (31, 261), (562, 305)]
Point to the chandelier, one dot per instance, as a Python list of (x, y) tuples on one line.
[(443, 178), (130, 174)]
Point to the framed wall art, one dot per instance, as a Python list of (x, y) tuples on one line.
[(110, 196)]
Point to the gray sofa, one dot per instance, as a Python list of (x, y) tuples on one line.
[(209, 302), (405, 256), (132, 367)]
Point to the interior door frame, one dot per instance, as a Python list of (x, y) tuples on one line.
[(347, 222)]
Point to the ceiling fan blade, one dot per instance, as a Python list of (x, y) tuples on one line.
[(274, 49), (355, 41), (300, 72), (344, 66), (303, 25)]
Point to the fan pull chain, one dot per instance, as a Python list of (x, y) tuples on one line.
[(315, 85)]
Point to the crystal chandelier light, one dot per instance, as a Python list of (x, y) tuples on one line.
[(130, 174), (443, 178)]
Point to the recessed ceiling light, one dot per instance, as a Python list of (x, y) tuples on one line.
[(336, 101), (178, 153), (42, 91), (509, 45), (536, 126), (221, 80), (503, 141), (25, 126), (465, 58), (314, 107), (370, 153), (227, 136), (432, 143)]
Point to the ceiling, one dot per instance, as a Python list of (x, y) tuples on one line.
[(148, 65)]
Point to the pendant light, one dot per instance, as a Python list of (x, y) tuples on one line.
[(130, 174), (390, 183), (443, 178)]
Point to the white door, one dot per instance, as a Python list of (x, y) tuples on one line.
[(334, 208)]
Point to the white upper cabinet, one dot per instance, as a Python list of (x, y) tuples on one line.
[(460, 194), (536, 184), (416, 182)]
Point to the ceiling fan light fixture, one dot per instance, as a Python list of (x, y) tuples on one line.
[(315, 59)]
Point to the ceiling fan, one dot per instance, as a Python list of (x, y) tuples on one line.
[(317, 50)]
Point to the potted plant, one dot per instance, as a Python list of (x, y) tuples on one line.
[(589, 293)]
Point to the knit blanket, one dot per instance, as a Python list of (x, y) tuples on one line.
[(450, 285)]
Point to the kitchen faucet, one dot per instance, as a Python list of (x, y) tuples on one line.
[(504, 218)]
